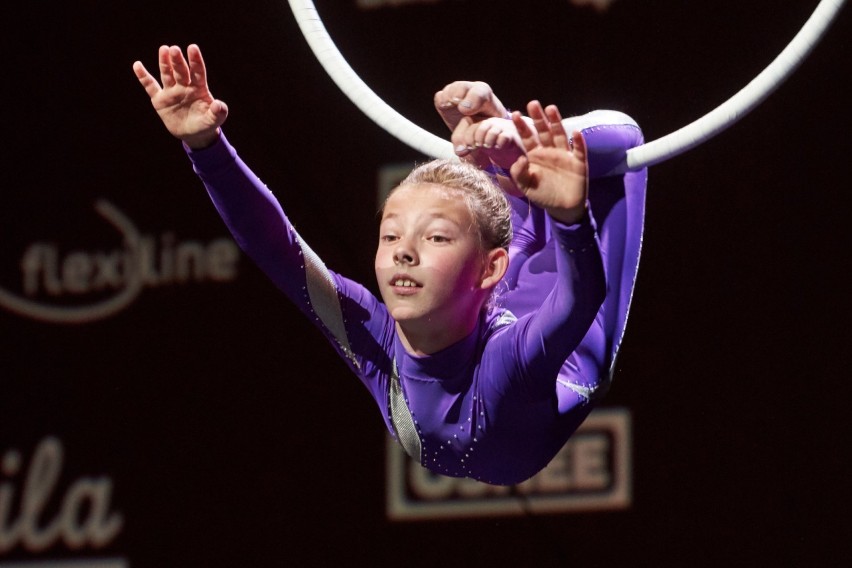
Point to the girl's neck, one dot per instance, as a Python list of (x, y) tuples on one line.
[(420, 342)]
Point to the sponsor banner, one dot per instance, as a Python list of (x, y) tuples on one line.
[(61, 284), (593, 471), (31, 522)]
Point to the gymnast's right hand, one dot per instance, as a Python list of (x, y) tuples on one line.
[(182, 98)]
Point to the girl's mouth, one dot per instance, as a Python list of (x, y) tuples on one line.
[(404, 283)]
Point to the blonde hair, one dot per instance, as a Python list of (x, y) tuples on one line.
[(486, 201)]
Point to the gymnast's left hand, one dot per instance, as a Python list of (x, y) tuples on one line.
[(182, 98), (554, 172)]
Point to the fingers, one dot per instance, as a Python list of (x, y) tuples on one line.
[(529, 138), (540, 122), (149, 83), (548, 126), (174, 69), (521, 174), (557, 132), (167, 78), (578, 146), (197, 69), (180, 69)]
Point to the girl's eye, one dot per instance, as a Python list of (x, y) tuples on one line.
[(439, 239), (388, 238)]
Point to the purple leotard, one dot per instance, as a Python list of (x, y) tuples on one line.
[(618, 203), (486, 406)]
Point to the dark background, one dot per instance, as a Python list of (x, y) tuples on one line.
[(235, 439)]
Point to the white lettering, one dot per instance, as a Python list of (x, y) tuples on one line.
[(84, 516), (581, 465), (80, 272), (144, 261), (99, 527), (107, 272), (76, 271), (222, 256), (591, 471), (41, 257), (432, 487), (9, 467)]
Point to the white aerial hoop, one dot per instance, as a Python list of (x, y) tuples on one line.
[(648, 154)]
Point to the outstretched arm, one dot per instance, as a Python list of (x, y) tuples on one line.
[(553, 174), (182, 98)]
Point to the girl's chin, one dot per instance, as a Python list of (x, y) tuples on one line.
[(408, 316)]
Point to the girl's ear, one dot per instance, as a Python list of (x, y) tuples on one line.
[(496, 264)]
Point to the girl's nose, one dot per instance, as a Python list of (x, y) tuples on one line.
[(404, 254)]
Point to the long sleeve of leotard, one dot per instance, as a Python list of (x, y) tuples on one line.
[(252, 214), (529, 235), (353, 320), (546, 337)]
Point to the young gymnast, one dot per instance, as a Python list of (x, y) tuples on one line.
[(466, 388), (482, 135)]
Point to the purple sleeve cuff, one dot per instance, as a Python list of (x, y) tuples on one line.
[(576, 237), (214, 158)]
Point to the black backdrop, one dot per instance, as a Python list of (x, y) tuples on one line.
[(229, 436)]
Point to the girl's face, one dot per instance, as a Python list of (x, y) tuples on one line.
[(430, 265)]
